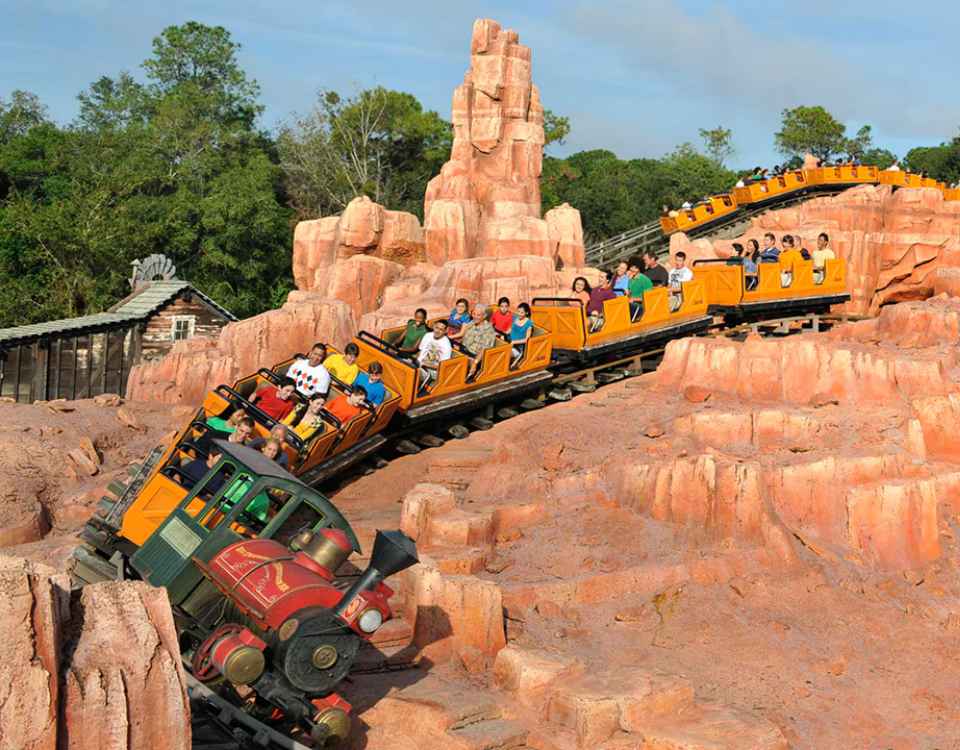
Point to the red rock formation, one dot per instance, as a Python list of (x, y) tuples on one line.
[(35, 602), (124, 685), (486, 199), (102, 672), (355, 256), (566, 235), (806, 368)]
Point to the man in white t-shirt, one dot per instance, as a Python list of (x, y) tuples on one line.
[(678, 275), (434, 348), (309, 374)]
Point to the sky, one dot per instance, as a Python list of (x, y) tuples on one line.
[(637, 78)]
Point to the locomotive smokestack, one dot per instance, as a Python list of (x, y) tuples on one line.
[(393, 551)]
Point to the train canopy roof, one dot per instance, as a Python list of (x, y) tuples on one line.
[(255, 461)]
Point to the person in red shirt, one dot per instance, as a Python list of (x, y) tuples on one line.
[(598, 296), (347, 406), (276, 401), (502, 317)]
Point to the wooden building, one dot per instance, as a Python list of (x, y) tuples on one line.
[(84, 357)]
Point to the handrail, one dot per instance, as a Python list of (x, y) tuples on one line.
[(384, 346), (537, 300)]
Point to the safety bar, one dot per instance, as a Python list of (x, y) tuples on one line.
[(331, 418), (385, 346), (733, 260)]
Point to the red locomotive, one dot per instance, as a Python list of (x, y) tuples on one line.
[(250, 560)]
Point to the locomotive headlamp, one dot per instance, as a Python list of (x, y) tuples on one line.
[(370, 620)]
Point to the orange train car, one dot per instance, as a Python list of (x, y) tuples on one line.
[(700, 215), (500, 374), (664, 315), (781, 288)]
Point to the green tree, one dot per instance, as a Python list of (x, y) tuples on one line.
[(878, 157), (718, 143), (556, 128), (940, 162), (813, 130), (614, 195), (175, 165), (23, 112), (378, 143), (860, 144)]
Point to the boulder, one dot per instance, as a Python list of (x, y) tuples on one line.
[(797, 370), (565, 232), (125, 657), (99, 671)]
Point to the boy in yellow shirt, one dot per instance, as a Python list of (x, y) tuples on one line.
[(344, 366)]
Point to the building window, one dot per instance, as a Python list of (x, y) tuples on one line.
[(182, 327)]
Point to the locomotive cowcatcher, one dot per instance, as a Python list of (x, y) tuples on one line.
[(249, 559)]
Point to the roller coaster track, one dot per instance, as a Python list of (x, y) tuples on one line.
[(650, 236)]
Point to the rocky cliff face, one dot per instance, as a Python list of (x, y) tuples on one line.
[(100, 670), (483, 238)]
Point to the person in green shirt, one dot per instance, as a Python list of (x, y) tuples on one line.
[(416, 329), (639, 283), (227, 425)]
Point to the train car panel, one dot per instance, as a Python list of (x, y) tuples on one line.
[(848, 174), (913, 180), (897, 178), (495, 363), (768, 285), (320, 448), (159, 496), (565, 322), (722, 282), (834, 278), (951, 194), (399, 372), (353, 430)]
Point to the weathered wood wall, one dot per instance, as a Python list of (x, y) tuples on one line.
[(83, 364), (157, 338)]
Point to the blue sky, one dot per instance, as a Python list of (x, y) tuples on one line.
[(635, 77)]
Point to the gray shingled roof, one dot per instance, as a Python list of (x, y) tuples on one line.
[(137, 306)]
